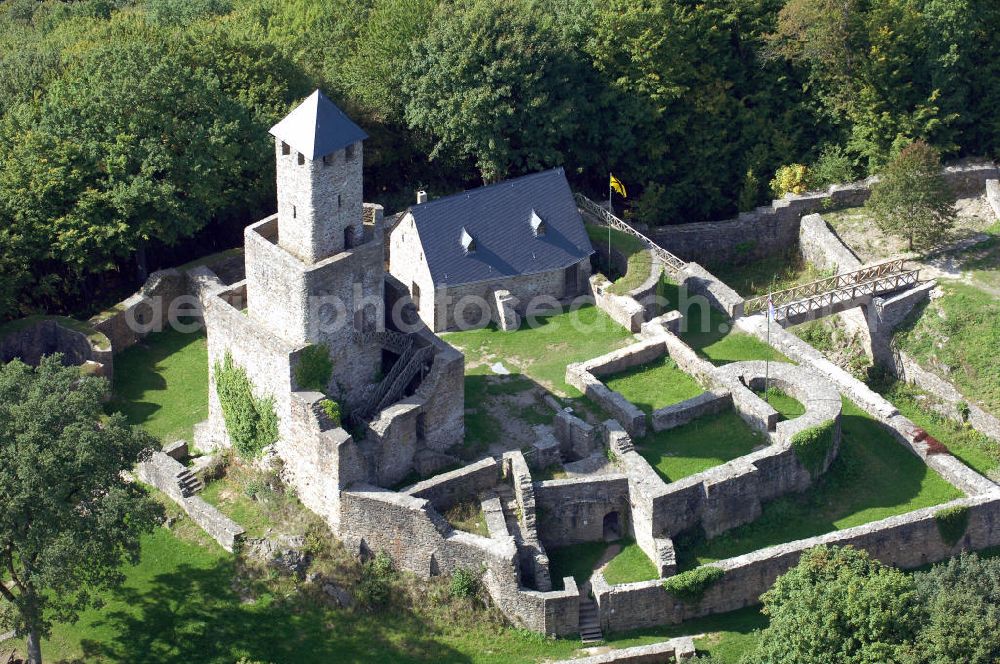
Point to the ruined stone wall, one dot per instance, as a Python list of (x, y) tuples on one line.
[(908, 541), (774, 228), (700, 282), (679, 414), (446, 489), (161, 472), (146, 311), (31, 338), (571, 511), (675, 650), (622, 309)]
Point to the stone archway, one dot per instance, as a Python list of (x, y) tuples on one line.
[(612, 526)]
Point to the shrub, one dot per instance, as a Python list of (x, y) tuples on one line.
[(833, 167), (377, 576), (251, 422), (748, 192), (812, 445), (952, 523), (791, 179), (332, 410), (690, 586), (314, 369), (464, 583)]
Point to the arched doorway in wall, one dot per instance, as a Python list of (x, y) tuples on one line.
[(612, 526)]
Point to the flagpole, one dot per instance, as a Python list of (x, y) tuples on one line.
[(611, 211)]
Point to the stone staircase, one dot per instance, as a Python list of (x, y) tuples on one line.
[(189, 483), (590, 621)]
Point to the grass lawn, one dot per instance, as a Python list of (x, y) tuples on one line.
[(639, 257), (709, 332), (699, 445), (178, 605), (630, 565), (872, 478), (481, 426), (788, 407), (975, 450), (770, 274), (543, 351), (957, 337), (575, 560), (161, 383), (468, 516), (654, 385)]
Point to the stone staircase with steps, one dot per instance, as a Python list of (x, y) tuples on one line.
[(189, 483), (590, 622)]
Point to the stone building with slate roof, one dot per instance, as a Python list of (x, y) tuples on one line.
[(484, 255)]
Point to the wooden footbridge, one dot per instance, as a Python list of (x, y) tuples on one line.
[(834, 294)]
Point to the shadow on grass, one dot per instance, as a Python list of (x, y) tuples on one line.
[(192, 615)]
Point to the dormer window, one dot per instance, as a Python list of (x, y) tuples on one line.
[(537, 224), (468, 244)]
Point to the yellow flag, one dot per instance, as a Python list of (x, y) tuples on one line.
[(617, 185)]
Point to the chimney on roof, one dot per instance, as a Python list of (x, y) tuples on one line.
[(421, 197)]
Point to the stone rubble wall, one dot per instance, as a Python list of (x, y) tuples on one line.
[(420, 540), (572, 511), (30, 339), (161, 471), (700, 282), (907, 541), (577, 439), (505, 313), (675, 650), (993, 196), (444, 490), (623, 309), (774, 229), (533, 553), (820, 246), (678, 414)]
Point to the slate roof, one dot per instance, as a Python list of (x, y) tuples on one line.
[(498, 217), (316, 127)]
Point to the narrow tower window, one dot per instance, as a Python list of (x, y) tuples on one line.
[(302, 159), (294, 212), (285, 148)]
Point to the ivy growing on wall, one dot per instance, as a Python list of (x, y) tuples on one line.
[(812, 445), (952, 522), (251, 421), (314, 368), (332, 410), (690, 586)]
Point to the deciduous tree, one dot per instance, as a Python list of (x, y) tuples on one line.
[(69, 519)]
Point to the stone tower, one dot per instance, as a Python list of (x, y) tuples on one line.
[(315, 269), (319, 157)]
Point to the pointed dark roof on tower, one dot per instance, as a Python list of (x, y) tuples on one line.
[(317, 127)]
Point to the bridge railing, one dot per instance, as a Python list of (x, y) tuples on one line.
[(822, 286), (830, 299), (604, 217)]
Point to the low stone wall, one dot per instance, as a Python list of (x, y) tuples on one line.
[(908, 541), (679, 414), (29, 339), (161, 471), (622, 309), (699, 281), (774, 229), (446, 489), (993, 196), (577, 439), (147, 311), (820, 246), (675, 650), (904, 430)]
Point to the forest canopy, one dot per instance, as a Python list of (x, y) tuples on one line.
[(136, 131)]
